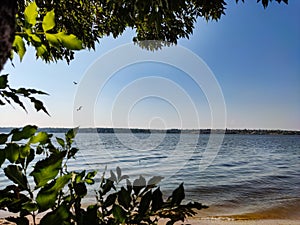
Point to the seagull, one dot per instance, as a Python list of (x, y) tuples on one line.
[(80, 107), (74, 82)]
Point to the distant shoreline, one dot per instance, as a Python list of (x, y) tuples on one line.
[(171, 131)]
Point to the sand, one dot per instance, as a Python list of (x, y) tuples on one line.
[(202, 219)]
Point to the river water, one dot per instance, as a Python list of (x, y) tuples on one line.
[(247, 175)]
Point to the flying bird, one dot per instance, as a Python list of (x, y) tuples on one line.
[(74, 82), (80, 107)]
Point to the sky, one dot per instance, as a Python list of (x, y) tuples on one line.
[(252, 55)]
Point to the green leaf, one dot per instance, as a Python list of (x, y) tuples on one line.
[(70, 41), (57, 216), (49, 21), (53, 39), (26, 132), (71, 133), (12, 152), (35, 38), (19, 46), (60, 141), (89, 179), (41, 50), (47, 169), (41, 137), (119, 213), (24, 151), (3, 81), (47, 196), (30, 206), (14, 173), (31, 13), (124, 198)]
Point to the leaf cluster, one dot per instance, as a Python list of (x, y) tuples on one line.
[(42, 185), (10, 95), (56, 28), (37, 27)]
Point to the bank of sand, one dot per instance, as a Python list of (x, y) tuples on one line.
[(222, 222), (277, 216)]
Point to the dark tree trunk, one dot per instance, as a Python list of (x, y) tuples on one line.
[(8, 9)]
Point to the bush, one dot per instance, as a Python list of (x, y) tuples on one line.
[(56, 194)]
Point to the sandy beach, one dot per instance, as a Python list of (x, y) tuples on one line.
[(218, 220), (221, 222)]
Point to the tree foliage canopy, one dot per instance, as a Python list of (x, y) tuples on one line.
[(56, 28)]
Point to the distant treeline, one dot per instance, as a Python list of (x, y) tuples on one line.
[(173, 131)]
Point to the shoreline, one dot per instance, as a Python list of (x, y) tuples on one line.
[(210, 217)]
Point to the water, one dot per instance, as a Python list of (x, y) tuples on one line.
[(250, 175)]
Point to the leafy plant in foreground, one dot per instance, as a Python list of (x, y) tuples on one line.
[(42, 186)]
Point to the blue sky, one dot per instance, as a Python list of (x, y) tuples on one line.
[(253, 53)]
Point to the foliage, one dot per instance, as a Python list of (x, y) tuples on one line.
[(56, 28), (10, 95), (49, 188), (38, 28)]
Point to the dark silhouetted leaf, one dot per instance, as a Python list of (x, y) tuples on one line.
[(3, 81), (26, 132), (119, 172), (145, 203), (30, 206), (30, 157), (2, 156), (111, 199), (113, 176), (80, 189), (38, 105), (14, 173), (178, 195), (57, 216), (154, 181), (139, 184), (18, 220), (72, 152), (12, 152), (157, 200), (3, 138), (124, 198), (60, 141), (108, 185)]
